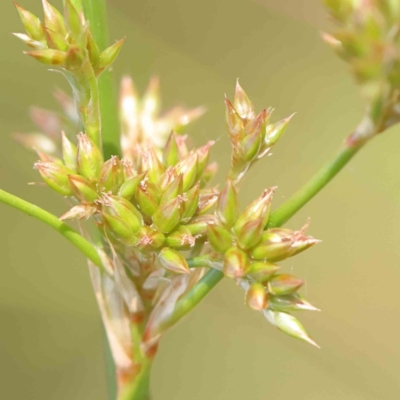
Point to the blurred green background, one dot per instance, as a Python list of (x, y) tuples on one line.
[(50, 331)]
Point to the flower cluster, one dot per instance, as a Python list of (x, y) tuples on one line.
[(367, 38), (158, 223)]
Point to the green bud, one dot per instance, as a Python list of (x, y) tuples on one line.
[(227, 206), (181, 239), (129, 187), (173, 261), (206, 202), (168, 215), (108, 56), (89, 158), (93, 50), (122, 208), (198, 225), (291, 302), (274, 132), (48, 56), (149, 239), (283, 284), (188, 168), (288, 324), (234, 122), (119, 228), (82, 188), (147, 197), (69, 152), (32, 24), (173, 190), (191, 201), (171, 151), (56, 41), (53, 19), (111, 175), (257, 297), (219, 238), (81, 211), (250, 235), (275, 245), (242, 103), (203, 155), (73, 19), (253, 136), (56, 176), (262, 271), (236, 263), (75, 59), (151, 164)]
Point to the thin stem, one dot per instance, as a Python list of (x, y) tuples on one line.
[(42, 215), (313, 186), (95, 12), (138, 389), (279, 217)]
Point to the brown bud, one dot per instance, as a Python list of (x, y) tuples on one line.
[(257, 297)]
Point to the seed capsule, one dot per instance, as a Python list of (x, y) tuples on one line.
[(219, 238), (250, 235), (32, 24), (227, 206), (171, 151), (242, 103), (262, 271), (236, 263), (284, 284), (56, 176), (168, 215), (173, 261), (191, 201), (69, 152), (181, 239), (82, 189), (89, 158), (111, 175), (129, 187), (257, 297)]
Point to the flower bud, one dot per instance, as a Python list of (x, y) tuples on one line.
[(250, 235), (73, 19), (173, 261), (56, 41), (219, 238), (119, 228), (111, 175), (275, 131), (257, 297), (188, 167), (69, 152), (151, 164), (53, 19), (149, 239), (181, 239), (242, 103), (173, 190), (48, 56), (108, 56), (234, 122), (227, 206), (82, 188), (30, 42), (122, 208), (291, 302), (147, 197), (191, 201), (32, 24), (89, 158), (236, 263), (168, 215), (93, 50), (81, 211), (262, 271), (288, 324), (171, 151), (283, 284), (206, 202), (198, 225), (253, 136), (129, 187), (56, 176), (203, 155), (275, 245)]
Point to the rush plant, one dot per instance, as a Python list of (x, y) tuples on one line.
[(157, 235)]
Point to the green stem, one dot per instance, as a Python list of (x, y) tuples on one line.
[(138, 389), (95, 12), (279, 217), (42, 215), (313, 186)]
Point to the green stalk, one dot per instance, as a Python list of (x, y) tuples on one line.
[(139, 388), (279, 217), (42, 215), (95, 11)]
